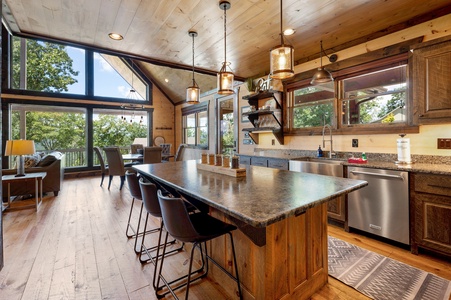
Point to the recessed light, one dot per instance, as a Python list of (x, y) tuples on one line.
[(289, 31), (115, 36), (167, 80)]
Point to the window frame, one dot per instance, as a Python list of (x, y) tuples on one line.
[(89, 74), (342, 129), (195, 110)]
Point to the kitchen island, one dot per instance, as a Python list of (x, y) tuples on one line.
[(282, 216)]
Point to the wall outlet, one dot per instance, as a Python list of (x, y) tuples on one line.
[(443, 143), (355, 143)]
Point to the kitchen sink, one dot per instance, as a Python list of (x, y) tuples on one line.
[(322, 166)]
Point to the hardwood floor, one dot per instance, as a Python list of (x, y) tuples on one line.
[(75, 247)]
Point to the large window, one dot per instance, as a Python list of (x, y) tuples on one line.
[(42, 66), (377, 97), (52, 128), (112, 127), (113, 78), (47, 67), (312, 106), (371, 97), (195, 125), (44, 69)]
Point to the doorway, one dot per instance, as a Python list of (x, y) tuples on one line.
[(227, 124)]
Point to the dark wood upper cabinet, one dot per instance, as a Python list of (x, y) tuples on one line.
[(431, 81)]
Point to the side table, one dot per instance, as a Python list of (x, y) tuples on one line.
[(36, 177)]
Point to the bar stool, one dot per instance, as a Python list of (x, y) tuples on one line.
[(197, 228), (135, 191), (152, 206)]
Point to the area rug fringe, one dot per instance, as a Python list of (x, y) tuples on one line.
[(383, 278)]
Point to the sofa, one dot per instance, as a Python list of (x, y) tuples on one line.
[(52, 163)]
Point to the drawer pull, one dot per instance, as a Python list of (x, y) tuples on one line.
[(439, 186)]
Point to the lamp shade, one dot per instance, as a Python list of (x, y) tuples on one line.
[(19, 147), (193, 94), (225, 81), (321, 76), (282, 62)]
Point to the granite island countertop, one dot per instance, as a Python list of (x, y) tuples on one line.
[(263, 197)]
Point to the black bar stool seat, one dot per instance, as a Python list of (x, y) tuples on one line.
[(195, 228)]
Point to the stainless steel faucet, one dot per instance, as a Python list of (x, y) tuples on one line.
[(331, 152)]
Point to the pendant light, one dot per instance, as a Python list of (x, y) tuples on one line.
[(225, 77), (193, 92), (132, 94), (322, 75), (282, 57)]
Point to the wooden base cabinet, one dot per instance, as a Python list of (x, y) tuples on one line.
[(336, 209), (431, 213), (292, 264)]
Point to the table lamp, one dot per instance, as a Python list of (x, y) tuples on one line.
[(19, 148)]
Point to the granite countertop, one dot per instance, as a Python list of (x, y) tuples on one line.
[(439, 169), (420, 167), (263, 197)]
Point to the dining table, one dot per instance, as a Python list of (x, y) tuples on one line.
[(134, 157), (140, 157)]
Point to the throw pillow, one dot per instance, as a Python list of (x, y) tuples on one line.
[(31, 161), (47, 160)]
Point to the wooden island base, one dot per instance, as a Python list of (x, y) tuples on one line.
[(292, 264)]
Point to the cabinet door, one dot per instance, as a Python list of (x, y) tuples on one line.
[(245, 160), (259, 161), (432, 83), (433, 222), (275, 163), (336, 209)]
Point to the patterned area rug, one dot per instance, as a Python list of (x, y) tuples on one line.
[(382, 278)]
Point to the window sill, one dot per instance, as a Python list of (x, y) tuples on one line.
[(356, 129)]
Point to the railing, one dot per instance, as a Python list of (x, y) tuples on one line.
[(77, 157)]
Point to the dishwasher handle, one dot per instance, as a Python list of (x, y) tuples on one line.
[(378, 175)]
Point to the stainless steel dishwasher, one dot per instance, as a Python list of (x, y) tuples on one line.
[(382, 207)]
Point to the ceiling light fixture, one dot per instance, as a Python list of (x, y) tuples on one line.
[(289, 31), (322, 75), (132, 94), (225, 78), (115, 36), (281, 57), (193, 92)]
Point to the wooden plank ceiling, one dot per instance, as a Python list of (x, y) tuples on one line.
[(157, 31)]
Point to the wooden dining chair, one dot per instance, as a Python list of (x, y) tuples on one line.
[(166, 152), (179, 153), (116, 165), (135, 147), (152, 155), (103, 167)]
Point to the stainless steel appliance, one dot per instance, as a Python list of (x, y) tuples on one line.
[(382, 207)]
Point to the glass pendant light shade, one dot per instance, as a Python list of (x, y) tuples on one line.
[(225, 80), (282, 62), (225, 75), (193, 94), (281, 57), (193, 91)]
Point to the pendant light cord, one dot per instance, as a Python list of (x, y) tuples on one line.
[(281, 25), (321, 54), (193, 59), (225, 34)]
